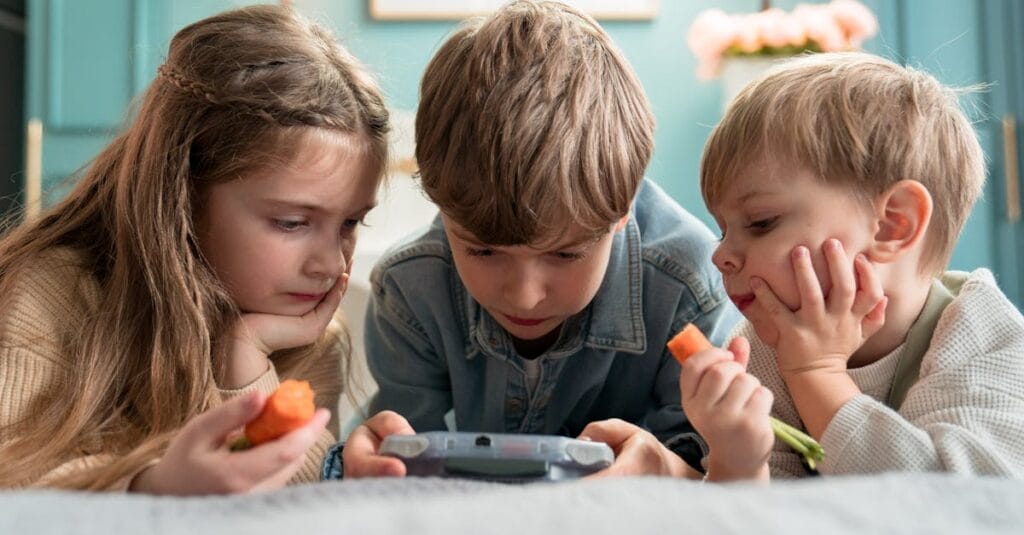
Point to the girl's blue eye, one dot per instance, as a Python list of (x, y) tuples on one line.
[(352, 223), (479, 252)]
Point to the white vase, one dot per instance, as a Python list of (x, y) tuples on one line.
[(738, 71)]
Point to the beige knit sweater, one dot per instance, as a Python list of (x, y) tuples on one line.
[(964, 414), (51, 304)]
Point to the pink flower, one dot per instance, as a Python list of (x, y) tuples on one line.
[(711, 34), (821, 27), (855, 19), (840, 25), (771, 25)]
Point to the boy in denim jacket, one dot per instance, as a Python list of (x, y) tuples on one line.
[(541, 299)]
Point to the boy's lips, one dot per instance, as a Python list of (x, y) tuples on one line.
[(525, 322), (742, 301)]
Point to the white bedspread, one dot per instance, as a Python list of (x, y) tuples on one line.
[(924, 503)]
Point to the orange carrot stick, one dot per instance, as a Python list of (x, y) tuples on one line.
[(287, 409), (689, 341)]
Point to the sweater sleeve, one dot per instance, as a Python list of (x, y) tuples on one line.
[(965, 414), (324, 376), (50, 303)]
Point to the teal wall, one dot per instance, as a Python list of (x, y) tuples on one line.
[(944, 36), (685, 108), (948, 45)]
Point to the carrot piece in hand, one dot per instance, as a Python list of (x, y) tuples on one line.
[(287, 409), (690, 341), (687, 342)]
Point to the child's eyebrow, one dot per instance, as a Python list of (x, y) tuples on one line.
[(307, 206)]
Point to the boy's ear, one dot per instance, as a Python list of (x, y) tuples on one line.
[(622, 223), (904, 212)]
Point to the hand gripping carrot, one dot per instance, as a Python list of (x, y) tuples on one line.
[(287, 409), (690, 340)]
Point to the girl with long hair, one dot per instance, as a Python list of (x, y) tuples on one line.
[(199, 260)]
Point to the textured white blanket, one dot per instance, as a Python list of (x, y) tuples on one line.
[(929, 503)]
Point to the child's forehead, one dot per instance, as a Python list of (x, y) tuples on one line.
[(572, 235)]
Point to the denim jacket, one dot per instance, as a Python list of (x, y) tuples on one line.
[(432, 348)]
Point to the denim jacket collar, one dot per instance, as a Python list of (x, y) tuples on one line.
[(613, 320)]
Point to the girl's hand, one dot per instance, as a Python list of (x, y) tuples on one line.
[(730, 409), (637, 452), (360, 456), (256, 336), (198, 460), (824, 332)]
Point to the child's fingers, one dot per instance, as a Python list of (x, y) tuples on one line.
[(874, 319), (844, 283), (344, 283), (738, 394), (324, 311), (271, 459), (811, 299), (212, 428), (777, 311), (387, 423), (870, 287), (740, 348), (613, 432), (361, 453), (695, 367), (760, 401), (715, 382)]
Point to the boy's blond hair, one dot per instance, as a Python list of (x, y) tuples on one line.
[(529, 120), (859, 121)]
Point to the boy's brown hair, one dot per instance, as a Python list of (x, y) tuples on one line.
[(529, 120), (859, 121)]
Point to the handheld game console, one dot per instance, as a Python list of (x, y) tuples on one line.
[(508, 458)]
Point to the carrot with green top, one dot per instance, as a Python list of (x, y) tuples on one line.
[(690, 341), (287, 409)]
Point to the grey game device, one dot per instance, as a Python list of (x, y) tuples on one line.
[(508, 458)]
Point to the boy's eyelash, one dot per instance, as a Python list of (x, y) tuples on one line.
[(570, 256), (762, 224), (478, 252)]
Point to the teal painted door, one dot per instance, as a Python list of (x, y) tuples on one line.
[(962, 43), (1004, 44), (86, 61)]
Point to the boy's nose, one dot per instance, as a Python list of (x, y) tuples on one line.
[(524, 290), (725, 259)]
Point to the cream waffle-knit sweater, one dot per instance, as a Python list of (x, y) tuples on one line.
[(964, 414), (52, 303)]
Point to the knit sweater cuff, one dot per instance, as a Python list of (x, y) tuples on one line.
[(266, 383), (845, 425)]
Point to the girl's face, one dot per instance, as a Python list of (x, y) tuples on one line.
[(768, 210), (531, 291), (279, 238)]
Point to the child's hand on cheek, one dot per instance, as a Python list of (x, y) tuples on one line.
[(256, 336), (823, 333), (730, 409)]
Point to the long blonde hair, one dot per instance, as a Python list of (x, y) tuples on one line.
[(235, 94)]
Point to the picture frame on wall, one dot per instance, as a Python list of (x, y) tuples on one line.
[(399, 10)]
